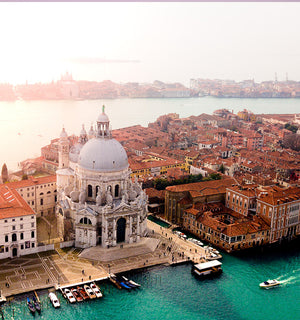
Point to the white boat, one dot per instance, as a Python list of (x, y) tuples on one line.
[(69, 295), (207, 268), (89, 292), (270, 283), (54, 300), (96, 290)]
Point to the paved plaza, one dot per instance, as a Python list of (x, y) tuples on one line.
[(70, 265)]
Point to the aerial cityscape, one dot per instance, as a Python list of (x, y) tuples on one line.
[(150, 161)]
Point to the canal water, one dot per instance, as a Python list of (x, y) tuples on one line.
[(174, 293)]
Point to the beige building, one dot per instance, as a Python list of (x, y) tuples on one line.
[(282, 207), (39, 193), (17, 225)]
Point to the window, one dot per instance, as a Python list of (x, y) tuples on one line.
[(22, 246), (32, 234), (13, 227), (21, 219), (32, 203), (41, 202), (13, 220), (22, 236), (32, 224), (5, 221), (6, 249), (90, 191), (6, 238), (32, 245), (21, 226), (14, 237), (32, 217)]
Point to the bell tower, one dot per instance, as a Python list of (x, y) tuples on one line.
[(63, 150)]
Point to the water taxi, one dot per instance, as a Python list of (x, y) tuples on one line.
[(207, 268), (270, 283), (96, 290), (68, 294), (89, 292), (54, 300)]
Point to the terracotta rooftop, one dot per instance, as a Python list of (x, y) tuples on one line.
[(12, 204), (31, 182)]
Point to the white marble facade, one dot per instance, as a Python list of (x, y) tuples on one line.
[(98, 204)]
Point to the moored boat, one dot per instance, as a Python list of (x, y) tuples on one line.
[(207, 268), (83, 293), (77, 295), (36, 304), (270, 284), (30, 305), (69, 295), (96, 290), (54, 300), (89, 292), (113, 279), (131, 282)]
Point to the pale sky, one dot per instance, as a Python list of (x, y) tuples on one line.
[(144, 42)]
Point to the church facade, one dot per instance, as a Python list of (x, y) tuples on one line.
[(97, 202)]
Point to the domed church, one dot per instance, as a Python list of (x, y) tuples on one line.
[(97, 202)]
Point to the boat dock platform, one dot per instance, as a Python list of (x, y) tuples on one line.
[(81, 283)]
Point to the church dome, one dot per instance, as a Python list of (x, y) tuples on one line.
[(103, 155)]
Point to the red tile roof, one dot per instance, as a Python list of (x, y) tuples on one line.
[(12, 204)]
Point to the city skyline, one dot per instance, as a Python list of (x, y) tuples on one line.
[(143, 42)]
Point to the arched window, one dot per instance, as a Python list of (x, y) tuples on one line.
[(48, 192), (90, 191), (85, 220), (41, 202), (116, 190), (14, 237), (97, 190)]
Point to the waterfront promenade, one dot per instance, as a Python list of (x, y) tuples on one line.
[(69, 265)]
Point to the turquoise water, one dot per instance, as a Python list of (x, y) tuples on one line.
[(174, 293), (159, 221)]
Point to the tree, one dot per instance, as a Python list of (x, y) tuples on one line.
[(4, 173), (291, 127), (222, 168)]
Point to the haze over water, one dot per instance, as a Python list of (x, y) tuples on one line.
[(26, 126)]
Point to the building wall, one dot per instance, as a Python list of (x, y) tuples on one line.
[(17, 233)]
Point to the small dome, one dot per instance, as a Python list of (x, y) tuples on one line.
[(103, 155), (63, 134), (103, 118)]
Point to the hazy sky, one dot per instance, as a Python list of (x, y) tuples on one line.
[(147, 41)]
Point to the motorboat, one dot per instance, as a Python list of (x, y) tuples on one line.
[(30, 305), (96, 290), (76, 295), (270, 283), (83, 293), (207, 268), (69, 295), (131, 282), (89, 292), (54, 300), (36, 304)]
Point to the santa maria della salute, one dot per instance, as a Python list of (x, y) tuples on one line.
[(98, 204)]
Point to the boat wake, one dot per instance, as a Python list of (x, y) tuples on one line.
[(289, 280)]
